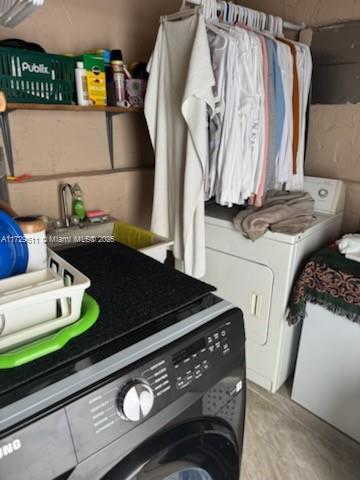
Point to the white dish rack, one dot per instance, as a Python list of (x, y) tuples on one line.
[(36, 304)]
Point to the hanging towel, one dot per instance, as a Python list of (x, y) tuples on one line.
[(282, 212), (178, 95)]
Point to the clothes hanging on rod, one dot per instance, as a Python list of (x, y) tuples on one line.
[(265, 20), (226, 108), (286, 68), (179, 90)]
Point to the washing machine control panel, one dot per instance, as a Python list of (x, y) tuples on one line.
[(194, 361), (193, 364)]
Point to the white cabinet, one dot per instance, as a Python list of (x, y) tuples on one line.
[(247, 285), (327, 375)]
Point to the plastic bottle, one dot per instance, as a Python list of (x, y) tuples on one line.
[(4, 192), (78, 205), (81, 85), (110, 86), (119, 76)]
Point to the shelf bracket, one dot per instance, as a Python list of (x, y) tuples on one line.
[(5, 129), (110, 136), (110, 133)]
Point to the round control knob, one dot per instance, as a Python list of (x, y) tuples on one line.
[(136, 401), (323, 193)]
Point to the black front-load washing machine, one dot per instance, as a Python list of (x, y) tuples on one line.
[(165, 401)]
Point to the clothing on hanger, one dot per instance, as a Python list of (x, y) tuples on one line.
[(226, 109), (285, 157), (179, 91), (304, 68), (296, 103)]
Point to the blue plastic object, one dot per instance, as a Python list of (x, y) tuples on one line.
[(7, 259), (14, 253), (190, 474)]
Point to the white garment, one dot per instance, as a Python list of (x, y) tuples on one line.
[(285, 157), (178, 94), (242, 137), (228, 154), (304, 68), (349, 246), (250, 110), (218, 42)]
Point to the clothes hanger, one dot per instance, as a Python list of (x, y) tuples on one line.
[(24, 12), (252, 19), (214, 12), (263, 23), (272, 25), (232, 14), (206, 8), (187, 12), (257, 21), (240, 13), (227, 13), (281, 25), (245, 16), (236, 14), (11, 7)]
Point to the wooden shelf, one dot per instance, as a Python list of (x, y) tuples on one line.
[(5, 109), (86, 173), (70, 108)]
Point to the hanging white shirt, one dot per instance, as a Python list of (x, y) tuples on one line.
[(219, 43), (248, 137), (285, 157), (228, 152), (178, 95), (304, 67)]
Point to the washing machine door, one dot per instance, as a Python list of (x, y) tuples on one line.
[(201, 450)]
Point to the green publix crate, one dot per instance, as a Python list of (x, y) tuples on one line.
[(35, 77)]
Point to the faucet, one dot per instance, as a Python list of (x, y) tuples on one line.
[(65, 210)]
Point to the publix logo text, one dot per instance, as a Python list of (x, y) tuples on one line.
[(35, 68)]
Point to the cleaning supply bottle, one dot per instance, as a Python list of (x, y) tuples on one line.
[(119, 76), (78, 206), (81, 85), (34, 232), (110, 85)]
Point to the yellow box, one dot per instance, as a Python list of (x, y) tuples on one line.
[(96, 78)]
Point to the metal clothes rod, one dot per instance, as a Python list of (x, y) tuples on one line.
[(287, 25)]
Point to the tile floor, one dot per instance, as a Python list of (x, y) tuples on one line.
[(285, 442)]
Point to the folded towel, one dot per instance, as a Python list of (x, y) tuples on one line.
[(284, 212), (349, 245)]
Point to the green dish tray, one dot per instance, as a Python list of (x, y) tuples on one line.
[(40, 348)]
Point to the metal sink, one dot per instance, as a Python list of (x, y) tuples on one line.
[(76, 236)]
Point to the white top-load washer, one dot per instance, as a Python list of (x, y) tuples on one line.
[(258, 277)]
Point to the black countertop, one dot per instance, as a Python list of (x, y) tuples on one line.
[(134, 293)]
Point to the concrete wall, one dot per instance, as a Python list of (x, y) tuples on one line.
[(66, 143)]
